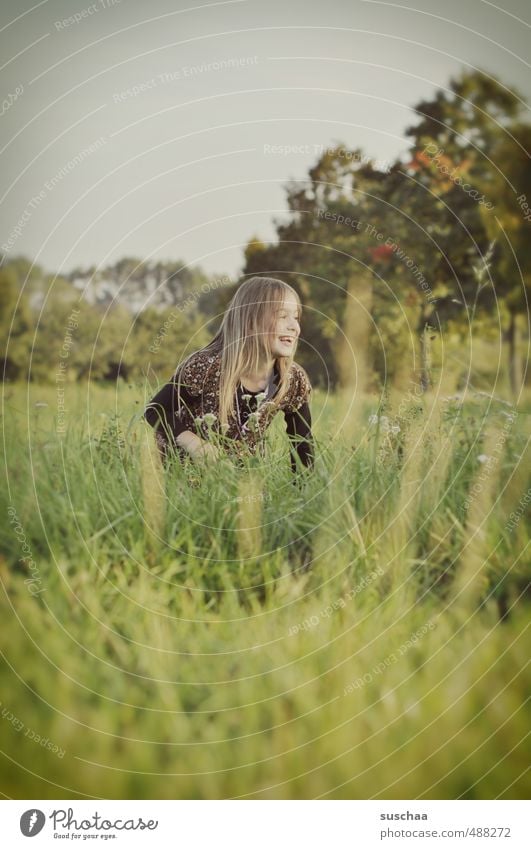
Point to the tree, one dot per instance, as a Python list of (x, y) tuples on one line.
[(469, 151), (15, 324), (322, 251), (509, 182)]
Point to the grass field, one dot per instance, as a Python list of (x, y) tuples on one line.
[(221, 633)]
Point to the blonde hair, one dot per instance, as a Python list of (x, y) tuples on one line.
[(244, 338)]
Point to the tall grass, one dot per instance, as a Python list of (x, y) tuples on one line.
[(212, 631)]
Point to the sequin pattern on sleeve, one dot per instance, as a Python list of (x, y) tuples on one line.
[(300, 390)]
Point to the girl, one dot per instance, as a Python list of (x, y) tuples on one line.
[(237, 383)]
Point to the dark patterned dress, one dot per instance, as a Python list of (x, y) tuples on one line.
[(198, 411)]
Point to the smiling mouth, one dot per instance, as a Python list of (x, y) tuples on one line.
[(287, 340)]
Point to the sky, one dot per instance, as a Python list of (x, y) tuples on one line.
[(168, 130)]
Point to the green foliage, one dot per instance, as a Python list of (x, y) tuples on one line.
[(415, 233), (15, 324), (510, 184), (54, 327)]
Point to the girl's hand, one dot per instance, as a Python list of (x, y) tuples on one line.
[(207, 451), (198, 448)]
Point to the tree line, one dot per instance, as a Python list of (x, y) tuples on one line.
[(387, 261)]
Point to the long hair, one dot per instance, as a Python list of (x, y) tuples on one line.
[(244, 338)]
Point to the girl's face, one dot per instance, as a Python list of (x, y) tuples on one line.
[(286, 327)]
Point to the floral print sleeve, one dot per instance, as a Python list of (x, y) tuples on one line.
[(193, 374), (300, 389)]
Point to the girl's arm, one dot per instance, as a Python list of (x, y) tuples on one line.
[(162, 414), (298, 428)]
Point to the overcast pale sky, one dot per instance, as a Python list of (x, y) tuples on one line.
[(149, 129)]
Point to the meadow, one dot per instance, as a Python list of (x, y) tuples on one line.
[(217, 632)]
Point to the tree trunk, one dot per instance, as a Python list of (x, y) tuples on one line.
[(425, 357), (352, 346), (515, 363)]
